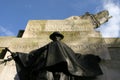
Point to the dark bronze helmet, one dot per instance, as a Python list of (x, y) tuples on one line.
[(56, 34)]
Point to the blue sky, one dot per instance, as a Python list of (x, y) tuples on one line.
[(14, 14)]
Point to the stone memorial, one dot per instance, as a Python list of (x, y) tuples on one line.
[(79, 34)]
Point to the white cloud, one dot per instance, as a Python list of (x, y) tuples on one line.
[(112, 27), (5, 32)]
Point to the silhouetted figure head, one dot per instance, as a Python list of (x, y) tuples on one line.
[(56, 36)]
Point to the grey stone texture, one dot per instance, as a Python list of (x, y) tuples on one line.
[(79, 34)]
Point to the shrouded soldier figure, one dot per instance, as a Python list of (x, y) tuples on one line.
[(54, 61)]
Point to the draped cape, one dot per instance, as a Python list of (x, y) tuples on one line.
[(54, 57)]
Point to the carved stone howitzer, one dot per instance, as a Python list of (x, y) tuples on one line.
[(96, 19)]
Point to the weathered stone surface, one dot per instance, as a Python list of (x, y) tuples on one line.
[(8, 71), (1, 66), (112, 42), (55, 25), (112, 70), (79, 34), (35, 33), (94, 45)]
